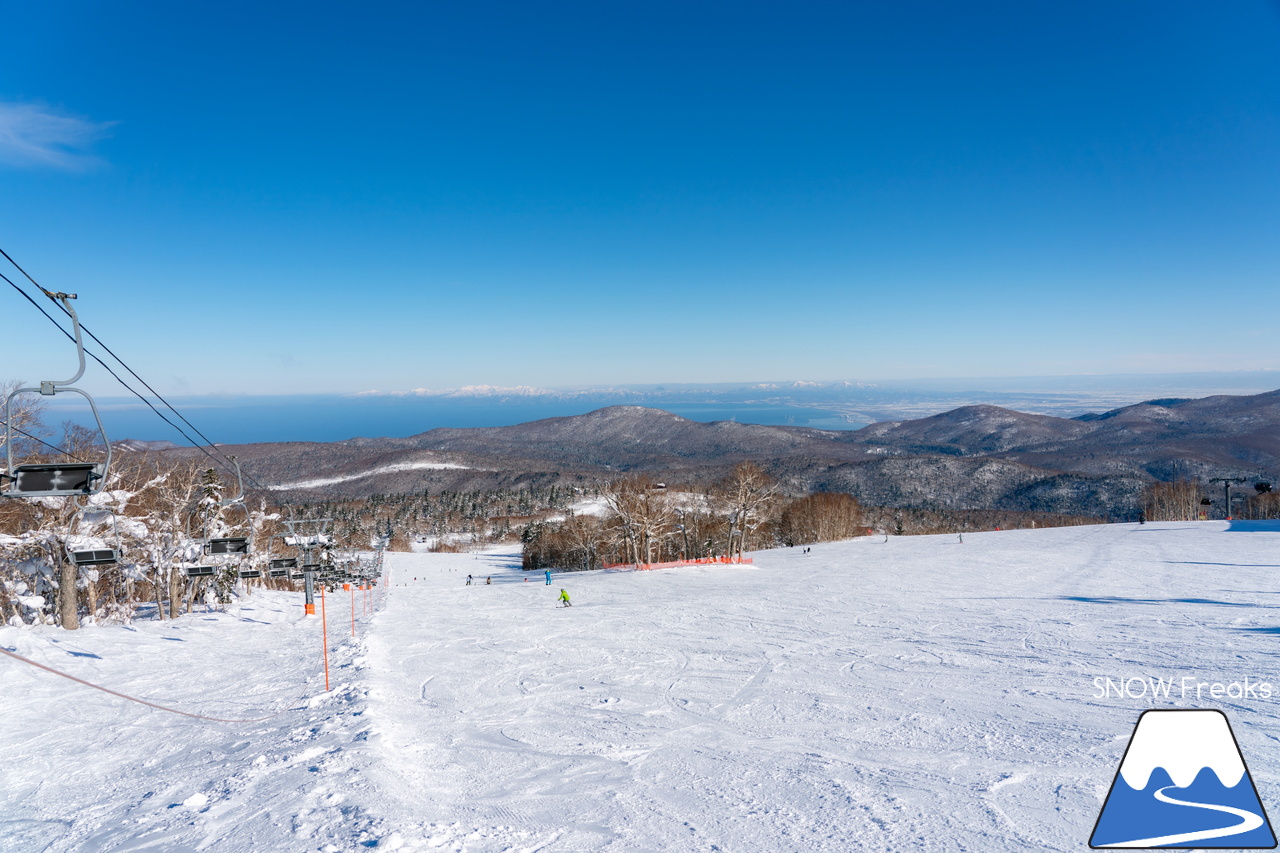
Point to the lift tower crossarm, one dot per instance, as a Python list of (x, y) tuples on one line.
[(1226, 492)]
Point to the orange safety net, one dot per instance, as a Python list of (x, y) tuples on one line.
[(699, 561)]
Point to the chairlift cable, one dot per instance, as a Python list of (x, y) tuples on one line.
[(105, 366), (21, 270), (126, 385), (169, 405), (122, 363), (42, 441)]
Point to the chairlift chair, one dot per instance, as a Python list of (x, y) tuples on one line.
[(198, 571), (233, 545), (250, 573), (54, 479), (281, 567), (227, 545), (279, 562), (92, 556), (100, 557)]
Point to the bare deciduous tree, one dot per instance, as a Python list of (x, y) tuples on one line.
[(26, 419), (645, 513), (1178, 501), (820, 517), (743, 497)]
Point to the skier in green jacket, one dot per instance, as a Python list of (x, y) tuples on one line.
[(564, 596)]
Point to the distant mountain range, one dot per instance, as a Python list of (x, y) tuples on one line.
[(844, 404), (838, 405), (976, 457)]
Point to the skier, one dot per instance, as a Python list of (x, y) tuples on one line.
[(548, 573), (468, 580), (564, 596), (488, 581)]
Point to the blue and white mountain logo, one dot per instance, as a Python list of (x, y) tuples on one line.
[(1183, 783)]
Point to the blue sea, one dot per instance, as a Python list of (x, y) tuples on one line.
[(333, 418)]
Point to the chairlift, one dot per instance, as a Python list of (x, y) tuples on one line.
[(227, 545), (198, 571), (101, 557), (54, 479), (272, 554), (281, 567), (233, 545), (92, 556), (250, 573)]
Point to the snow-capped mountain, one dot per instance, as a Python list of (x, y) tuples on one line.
[(1183, 743)]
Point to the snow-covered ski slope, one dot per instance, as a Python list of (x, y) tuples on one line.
[(915, 694)]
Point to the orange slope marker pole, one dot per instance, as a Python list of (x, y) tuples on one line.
[(324, 633)]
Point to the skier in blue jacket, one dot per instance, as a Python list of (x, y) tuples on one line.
[(548, 573)]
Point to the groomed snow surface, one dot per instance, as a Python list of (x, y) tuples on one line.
[(915, 694)]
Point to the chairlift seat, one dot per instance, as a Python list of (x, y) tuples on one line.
[(102, 557), (57, 479), (228, 545), (277, 573), (250, 573), (198, 571), (284, 563), (53, 479)]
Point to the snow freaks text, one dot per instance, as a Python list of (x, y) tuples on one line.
[(1186, 687)]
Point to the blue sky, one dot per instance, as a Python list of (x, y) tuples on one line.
[(331, 197)]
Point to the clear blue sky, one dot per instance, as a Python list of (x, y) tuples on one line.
[(316, 197)]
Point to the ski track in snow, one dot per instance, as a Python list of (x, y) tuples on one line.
[(347, 478), (918, 694)]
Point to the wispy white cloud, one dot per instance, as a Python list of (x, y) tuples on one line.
[(37, 135)]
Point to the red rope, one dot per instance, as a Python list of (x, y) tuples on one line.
[(133, 698)]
